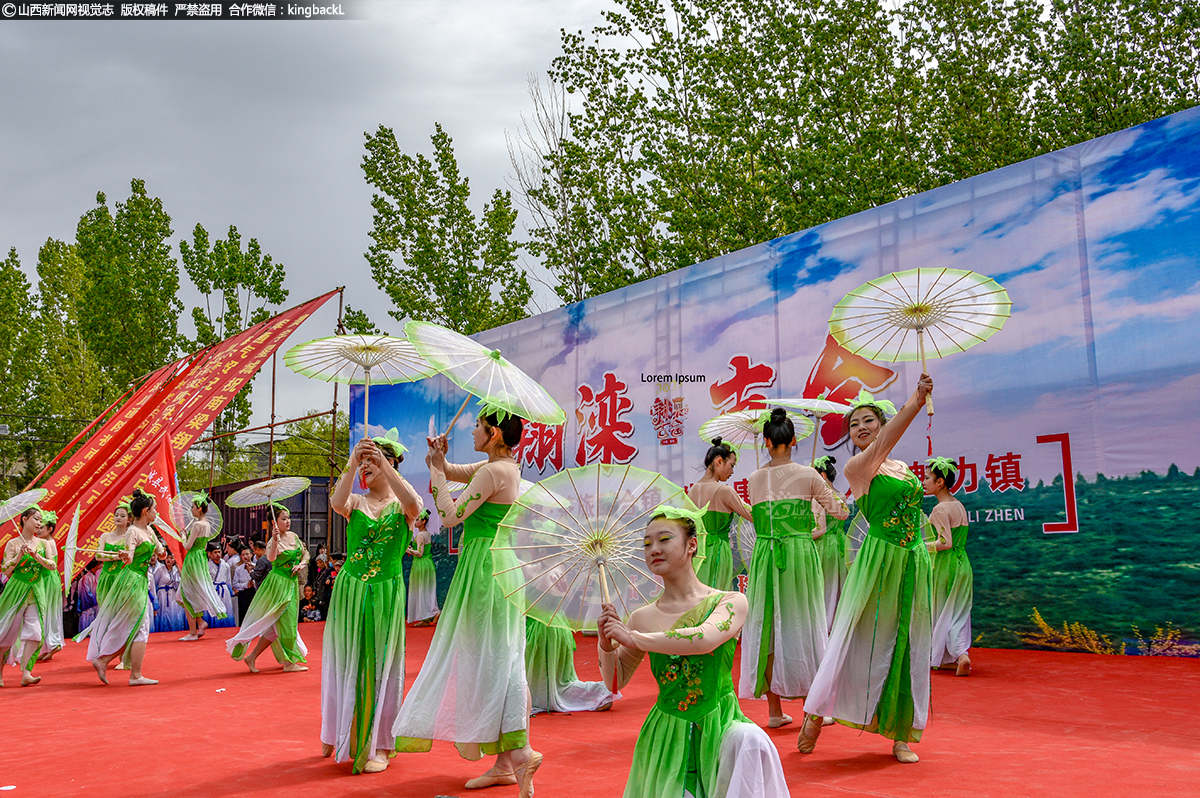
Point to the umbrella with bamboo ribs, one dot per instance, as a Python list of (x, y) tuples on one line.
[(268, 492), (70, 548), (484, 373), (181, 513), (11, 508), (569, 536), (919, 313), (819, 408), (742, 429), (359, 360)]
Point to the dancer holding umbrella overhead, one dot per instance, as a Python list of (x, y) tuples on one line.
[(362, 656), (875, 674), (695, 741), (274, 613)]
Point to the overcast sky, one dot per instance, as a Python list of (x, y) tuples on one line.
[(261, 125)]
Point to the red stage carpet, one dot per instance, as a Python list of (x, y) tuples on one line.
[(1025, 723)]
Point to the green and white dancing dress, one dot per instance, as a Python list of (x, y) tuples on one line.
[(109, 570), (953, 586), (554, 686), (274, 612), (362, 656), (717, 569), (786, 589), (696, 741), (50, 599), (124, 614), (422, 587), (22, 608), (830, 537), (875, 675), (197, 593), (472, 689)]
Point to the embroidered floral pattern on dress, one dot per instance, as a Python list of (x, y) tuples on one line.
[(369, 555), (905, 517), (684, 668)]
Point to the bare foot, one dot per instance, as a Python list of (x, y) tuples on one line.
[(250, 664), (141, 680), (294, 667), (964, 666), (28, 679), (101, 667), (493, 778)]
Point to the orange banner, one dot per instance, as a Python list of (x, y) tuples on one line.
[(176, 403)]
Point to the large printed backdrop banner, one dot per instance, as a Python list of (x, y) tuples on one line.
[(1075, 426)]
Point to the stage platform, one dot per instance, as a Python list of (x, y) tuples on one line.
[(1024, 724)]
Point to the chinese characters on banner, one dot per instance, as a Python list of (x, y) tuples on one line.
[(738, 392), (840, 376), (1001, 471), (541, 446), (667, 415), (603, 434)]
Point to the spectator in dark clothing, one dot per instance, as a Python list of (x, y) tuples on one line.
[(262, 564), (325, 581), (309, 609)]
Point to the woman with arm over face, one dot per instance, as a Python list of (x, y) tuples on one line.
[(27, 561), (275, 610), (875, 674), (695, 737), (122, 624), (197, 593), (953, 580), (472, 689), (786, 628), (362, 656), (721, 503)]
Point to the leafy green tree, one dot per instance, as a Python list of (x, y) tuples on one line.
[(305, 449), (72, 388), (357, 321), (19, 362), (676, 132), (433, 256), (238, 286), (130, 285)]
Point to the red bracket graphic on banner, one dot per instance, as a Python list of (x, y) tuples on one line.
[(1072, 522)]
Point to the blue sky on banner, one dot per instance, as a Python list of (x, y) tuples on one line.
[(1117, 215)]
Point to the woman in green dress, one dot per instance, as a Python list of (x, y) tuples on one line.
[(713, 492), (830, 537), (786, 628), (875, 674), (695, 738), (472, 689), (197, 593), (122, 624), (274, 613), (422, 577), (27, 561), (109, 548), (50, 596), (362, 656), (953, 580)]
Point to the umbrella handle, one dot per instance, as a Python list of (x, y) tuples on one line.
[(607, 599), (454, 420), (924, 370)]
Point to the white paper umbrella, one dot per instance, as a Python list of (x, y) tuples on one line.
[(484, 373), (181, 513), (742, 429), (70, 548), (570, 535), (268, 491), (359, 360), (11, 508), (911, 314)]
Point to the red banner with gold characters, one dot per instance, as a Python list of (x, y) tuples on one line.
[(175, 404)]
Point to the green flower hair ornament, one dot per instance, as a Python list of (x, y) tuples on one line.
[(391, 438), (48, 516), (695, 516), (200, 498), (486, 408), (125, 504), (763, 418), (821, 463), (943, 464), (865, 399)]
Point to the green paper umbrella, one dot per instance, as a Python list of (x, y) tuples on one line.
[(484, 373)]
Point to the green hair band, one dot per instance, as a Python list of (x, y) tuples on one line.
[(865, 399)]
